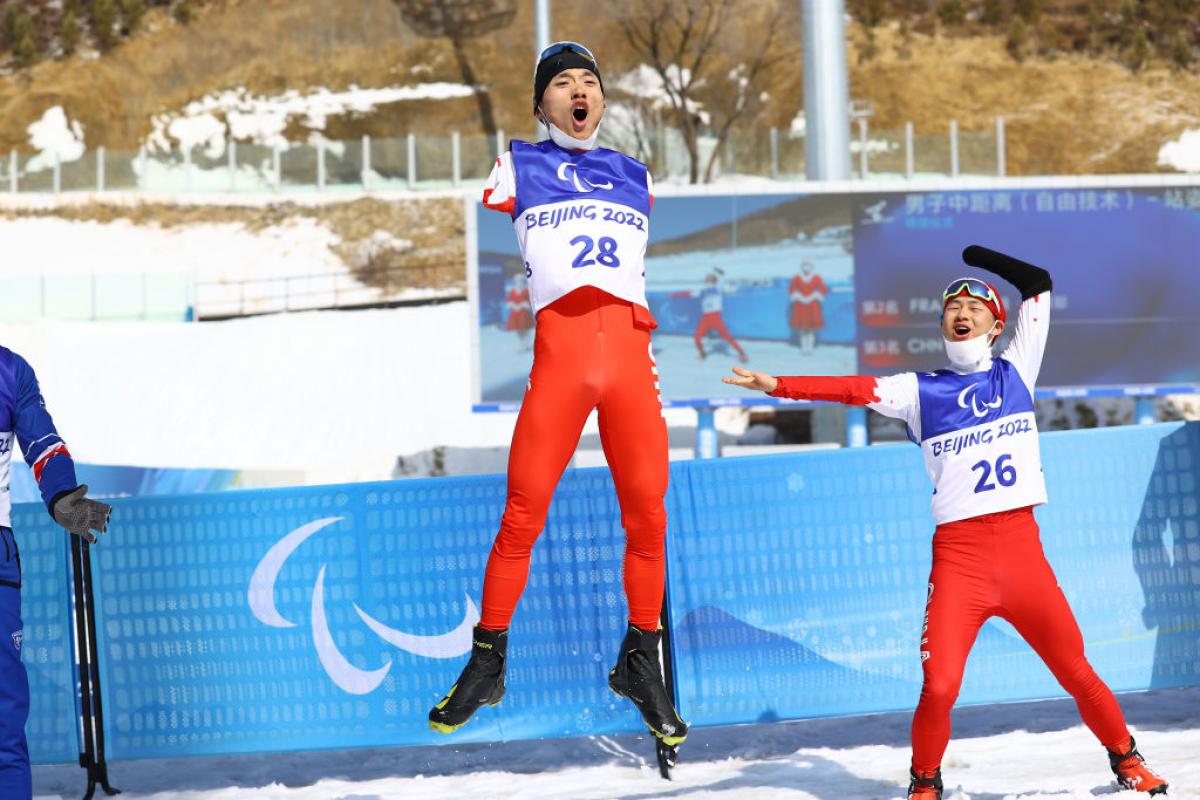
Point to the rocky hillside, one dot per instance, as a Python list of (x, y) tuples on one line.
[(1085, 86)]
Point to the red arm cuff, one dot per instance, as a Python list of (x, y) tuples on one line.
[(854, 390)]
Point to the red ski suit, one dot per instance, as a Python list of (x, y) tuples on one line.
[(984, 565), (591, 351)]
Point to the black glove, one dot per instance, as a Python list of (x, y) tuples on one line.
[(1029, 280), (79, 515)]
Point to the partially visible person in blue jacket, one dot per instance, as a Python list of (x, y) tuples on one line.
[(23, 415)]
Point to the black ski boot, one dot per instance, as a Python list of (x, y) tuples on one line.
[(481, 682), (925, 785), (638, 676)]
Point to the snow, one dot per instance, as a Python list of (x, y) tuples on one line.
[(53, 135), (209, 251), (262, 120), (1021, 750), (295, 390), (291, 264), (1182, 154)]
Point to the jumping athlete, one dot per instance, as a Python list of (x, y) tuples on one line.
[(581, 215), (23, 415), (975, 423)]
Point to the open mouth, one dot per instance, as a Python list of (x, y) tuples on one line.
[(962, 331), (579, 114)]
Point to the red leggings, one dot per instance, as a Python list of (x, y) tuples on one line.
[(714, 322), (588, 353), (993, 565)]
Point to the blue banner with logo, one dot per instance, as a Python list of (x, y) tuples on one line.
[(798, 586), (337, 616), (47, 641), (320, 617)]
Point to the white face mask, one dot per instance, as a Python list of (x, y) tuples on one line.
[(568, 142), (969, 352)]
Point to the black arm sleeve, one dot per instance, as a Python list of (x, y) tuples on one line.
[(1029, 280)]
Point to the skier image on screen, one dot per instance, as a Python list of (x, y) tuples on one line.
[(712, 304), (519, 316), (975, 424), (807, 293)]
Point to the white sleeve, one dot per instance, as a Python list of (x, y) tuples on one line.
[(650, 184), (1029, 339), (501, 189), (899, 398)]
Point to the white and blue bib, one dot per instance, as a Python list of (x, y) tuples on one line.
[(582, 219)]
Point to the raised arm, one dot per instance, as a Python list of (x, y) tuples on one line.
[(1033, 317), (500, 192), (893, 396)]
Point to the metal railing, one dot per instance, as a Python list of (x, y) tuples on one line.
[(440, 162), (327, 291)]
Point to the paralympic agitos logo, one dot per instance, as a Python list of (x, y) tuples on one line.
[(349, 678)]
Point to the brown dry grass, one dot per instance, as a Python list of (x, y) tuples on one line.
[(1068, 115)]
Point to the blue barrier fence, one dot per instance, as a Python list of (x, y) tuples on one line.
[(335, 616)]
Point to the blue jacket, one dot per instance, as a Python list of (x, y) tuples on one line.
[(23, 415)]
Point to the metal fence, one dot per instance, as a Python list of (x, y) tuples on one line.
[(439, 162), (140, 296), (340, 290)]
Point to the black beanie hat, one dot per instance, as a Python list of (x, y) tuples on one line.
[(567, 58)]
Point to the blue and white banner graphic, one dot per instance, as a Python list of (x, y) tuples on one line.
[(798, 586), (323, 617)]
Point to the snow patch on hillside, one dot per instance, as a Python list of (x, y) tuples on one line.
[(236, 113)]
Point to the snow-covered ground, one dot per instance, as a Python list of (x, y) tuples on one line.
[(1020, 750), (219, 268), (334, 395)]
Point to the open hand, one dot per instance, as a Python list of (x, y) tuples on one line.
[(80, 515), (749, 379)]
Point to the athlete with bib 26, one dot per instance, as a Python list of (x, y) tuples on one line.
[(581, 215), (975, 423)]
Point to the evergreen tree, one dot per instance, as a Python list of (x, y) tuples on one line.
[(1029, 10), (10, 25), (24, 42), (1129, 25), (993, 12), (1181, 51), (104, 21), (132, 12), (184, 12), (68, 35), (1018, 39), (951, 12), (1139, 50)]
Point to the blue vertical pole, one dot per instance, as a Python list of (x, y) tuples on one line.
[(856, 426), (706, 434), (1143, 411)]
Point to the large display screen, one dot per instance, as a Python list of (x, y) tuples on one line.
[(836, 283)]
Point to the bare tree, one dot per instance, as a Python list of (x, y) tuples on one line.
[(736, 90), (458, 21), (710, 63)]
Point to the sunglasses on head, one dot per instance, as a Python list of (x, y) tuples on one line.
[(560, 47), (973, 287)]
